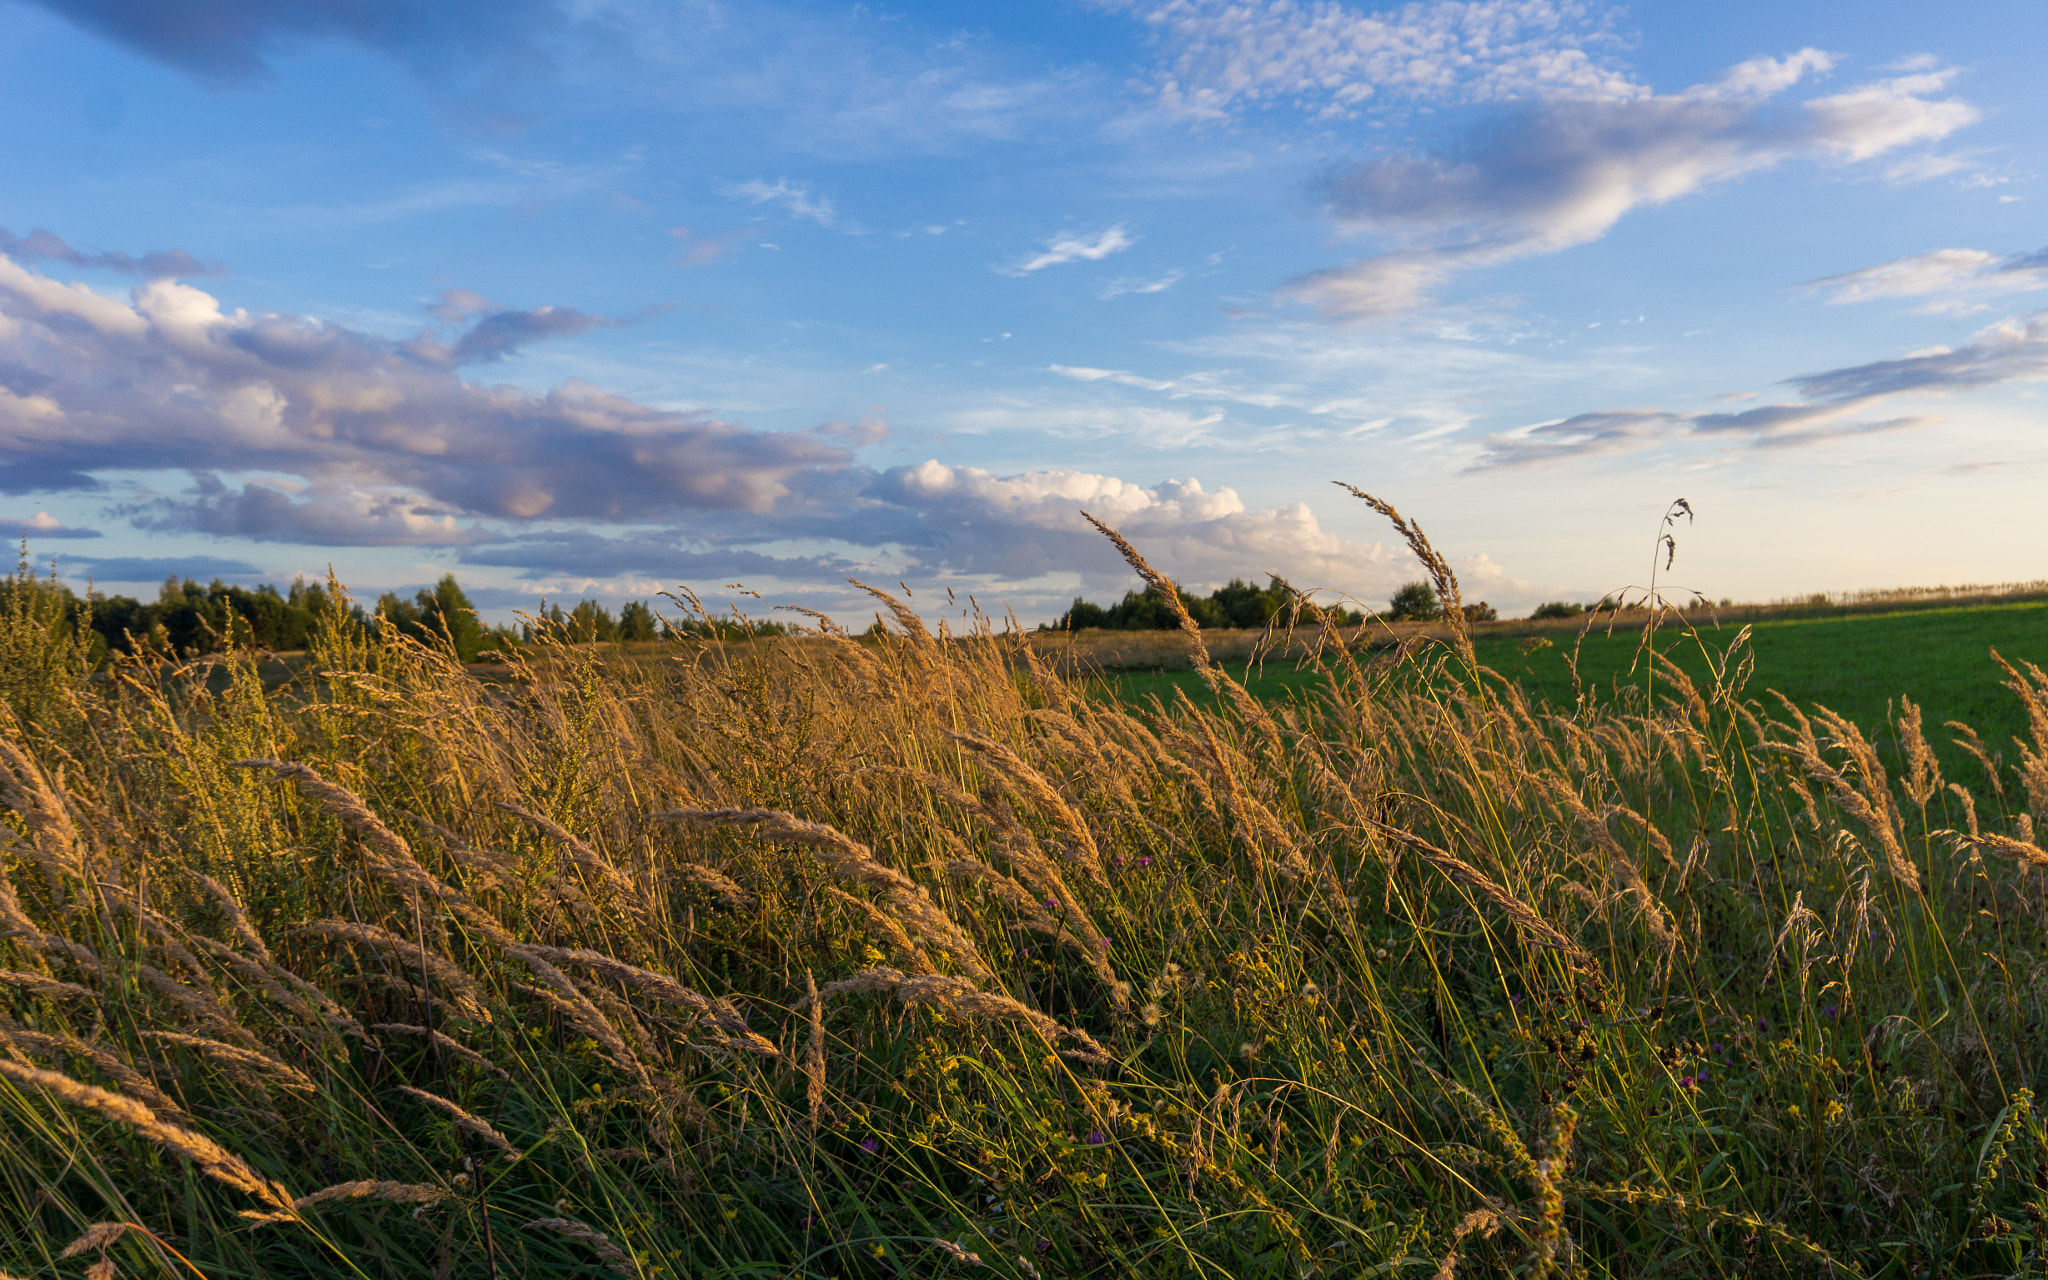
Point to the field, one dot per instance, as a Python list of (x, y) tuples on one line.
[(1856, 663), (827, 958)]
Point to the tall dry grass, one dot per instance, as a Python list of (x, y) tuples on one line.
[(822, 958)]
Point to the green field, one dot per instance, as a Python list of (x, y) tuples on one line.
[(1856, 664)]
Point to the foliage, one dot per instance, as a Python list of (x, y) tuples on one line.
[(1236, 604), (823, 958), (442, 615), (1558, 609), (1415, 602), (590, 622)]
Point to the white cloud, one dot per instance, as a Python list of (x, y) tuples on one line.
[(392, 443), (1562, 172), (1074, 247), (1834, 404), (1954, 279), (1023, 526), (1083, 374), (1122, 285), (1222, 56), (795, 197)]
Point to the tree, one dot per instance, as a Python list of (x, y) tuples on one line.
[(447, 615), (1558, 609), (637, 621), (1415, 602), (590, 621)]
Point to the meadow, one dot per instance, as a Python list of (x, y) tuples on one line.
[(1858, 663), (916, 956)]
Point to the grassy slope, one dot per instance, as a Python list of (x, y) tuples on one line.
[(1858, 665)]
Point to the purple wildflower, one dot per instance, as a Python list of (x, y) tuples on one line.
[(1829, 1011), (1095, 1138), (870, 1145), (1144, 862)]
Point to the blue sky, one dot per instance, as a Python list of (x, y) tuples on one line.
[(596, 297)]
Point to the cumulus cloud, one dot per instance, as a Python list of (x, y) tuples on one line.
[(1955, 280), (47, 246), (1019, 527), (1834, 404), (795, 197), (231, 42), (381, 434), (327, 515), (1222, 56), (1073, 247), (41, 525), (1561, 172)]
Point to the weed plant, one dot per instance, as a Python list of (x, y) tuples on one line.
[(818, 958)]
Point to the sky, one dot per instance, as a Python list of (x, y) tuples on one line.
[(593, 298)]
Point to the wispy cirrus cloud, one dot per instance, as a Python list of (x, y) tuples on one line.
[(1835, 404), (1122, 285), (795, 198), (1953, 280), (701, 250), (1071, 246), (1222, 57), (47, 246), (1561, 172)]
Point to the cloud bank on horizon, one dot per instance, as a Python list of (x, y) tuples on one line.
[(948, 288)]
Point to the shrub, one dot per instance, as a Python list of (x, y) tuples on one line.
[(1558, 609)]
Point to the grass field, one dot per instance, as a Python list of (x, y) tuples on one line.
[(841, 959), (1857, 664)]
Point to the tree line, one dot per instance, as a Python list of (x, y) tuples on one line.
[(188, 620), (1239, 604)]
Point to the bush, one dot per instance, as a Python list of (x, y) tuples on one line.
[(1558, 609), (1481, 612), (1415, 602)]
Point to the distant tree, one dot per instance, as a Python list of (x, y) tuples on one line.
[(447, 615), (1558, 609), (590, 621), (1082, 616), (1237, 604), (1415, 602), (637, 621), (1245, 605), (1481, 612)]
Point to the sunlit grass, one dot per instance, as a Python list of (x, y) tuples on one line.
[(822, 958)]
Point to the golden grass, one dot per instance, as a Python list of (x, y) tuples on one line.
[(910, 956)]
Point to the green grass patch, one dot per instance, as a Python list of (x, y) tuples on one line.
[(1858, 665)]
